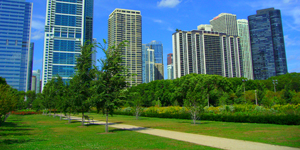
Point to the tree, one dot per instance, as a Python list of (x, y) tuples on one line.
[(137, 103), (8, 101), (111, 80), (48, 94), (296, 99), (83, 79), (196, 95), (31, 96)]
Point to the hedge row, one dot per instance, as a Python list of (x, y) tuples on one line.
[(289, 119)]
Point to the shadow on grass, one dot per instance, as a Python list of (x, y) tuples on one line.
[(17, 141), (13, 134)]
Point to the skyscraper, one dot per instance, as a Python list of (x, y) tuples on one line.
[(206, 52), (30, 64), (225, 23), (148, 64), (15, 28), (36, 81), (170, 58), (158, 71), (267, 44), (124, 24), (170, 66), (158, 58), (243, 33), (68, 24)]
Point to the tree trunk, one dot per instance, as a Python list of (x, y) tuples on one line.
[(82, 118), (50, 112), (54, 113), (137, 113), (6, 116), (60, 115), (194, 117), (69, 117), (106, 124)]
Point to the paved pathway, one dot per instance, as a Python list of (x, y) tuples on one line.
[(211, 141)]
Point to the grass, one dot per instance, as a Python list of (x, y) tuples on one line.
[(44, 132), (285, 135)]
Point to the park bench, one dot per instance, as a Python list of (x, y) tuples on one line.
[(89, 118)]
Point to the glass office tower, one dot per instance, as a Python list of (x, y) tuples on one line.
[(15, 28), (68, 24), (267, 44), (158, 58), (148, 64)]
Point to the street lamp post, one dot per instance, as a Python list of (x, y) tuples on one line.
[(274, 83)]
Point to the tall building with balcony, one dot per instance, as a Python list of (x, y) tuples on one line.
[(243, 33), (225, 23), (204, 51), (267, 44), (68, 25), (15, 30), (124, 24)]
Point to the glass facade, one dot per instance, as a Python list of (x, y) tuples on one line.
[(267, 44), (69, 24), (148, 64), (15, 25), (158, 58), (36, 81), (243, 33)]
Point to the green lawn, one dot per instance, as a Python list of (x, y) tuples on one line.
[(266, 133), (44, 132)]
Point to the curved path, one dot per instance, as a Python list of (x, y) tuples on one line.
[(211, 141)]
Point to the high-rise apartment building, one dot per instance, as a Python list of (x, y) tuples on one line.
[(15, 28), (225, 23), (243, 33), (169, 59), (267, 44), (124, 24), (68, 24), (148, 64), (206, 52), (35, 83)]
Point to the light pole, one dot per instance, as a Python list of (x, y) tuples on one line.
[(244, 80), (274, 83)]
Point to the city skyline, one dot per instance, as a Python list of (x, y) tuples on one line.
[(160, 20)]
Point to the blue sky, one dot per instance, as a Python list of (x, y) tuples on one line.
[(160, 18)]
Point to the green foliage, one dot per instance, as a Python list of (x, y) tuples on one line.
[(31, 96), (8, 101), (296, 98)]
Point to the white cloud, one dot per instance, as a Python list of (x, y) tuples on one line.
[(168, 3), (157, 21), (291, 41), (171, 29), (289, 8), (36, 35), (38, 25)]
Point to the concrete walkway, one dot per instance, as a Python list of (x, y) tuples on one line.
[(211, 141)]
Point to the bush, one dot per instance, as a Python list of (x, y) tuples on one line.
[(277, 114)]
